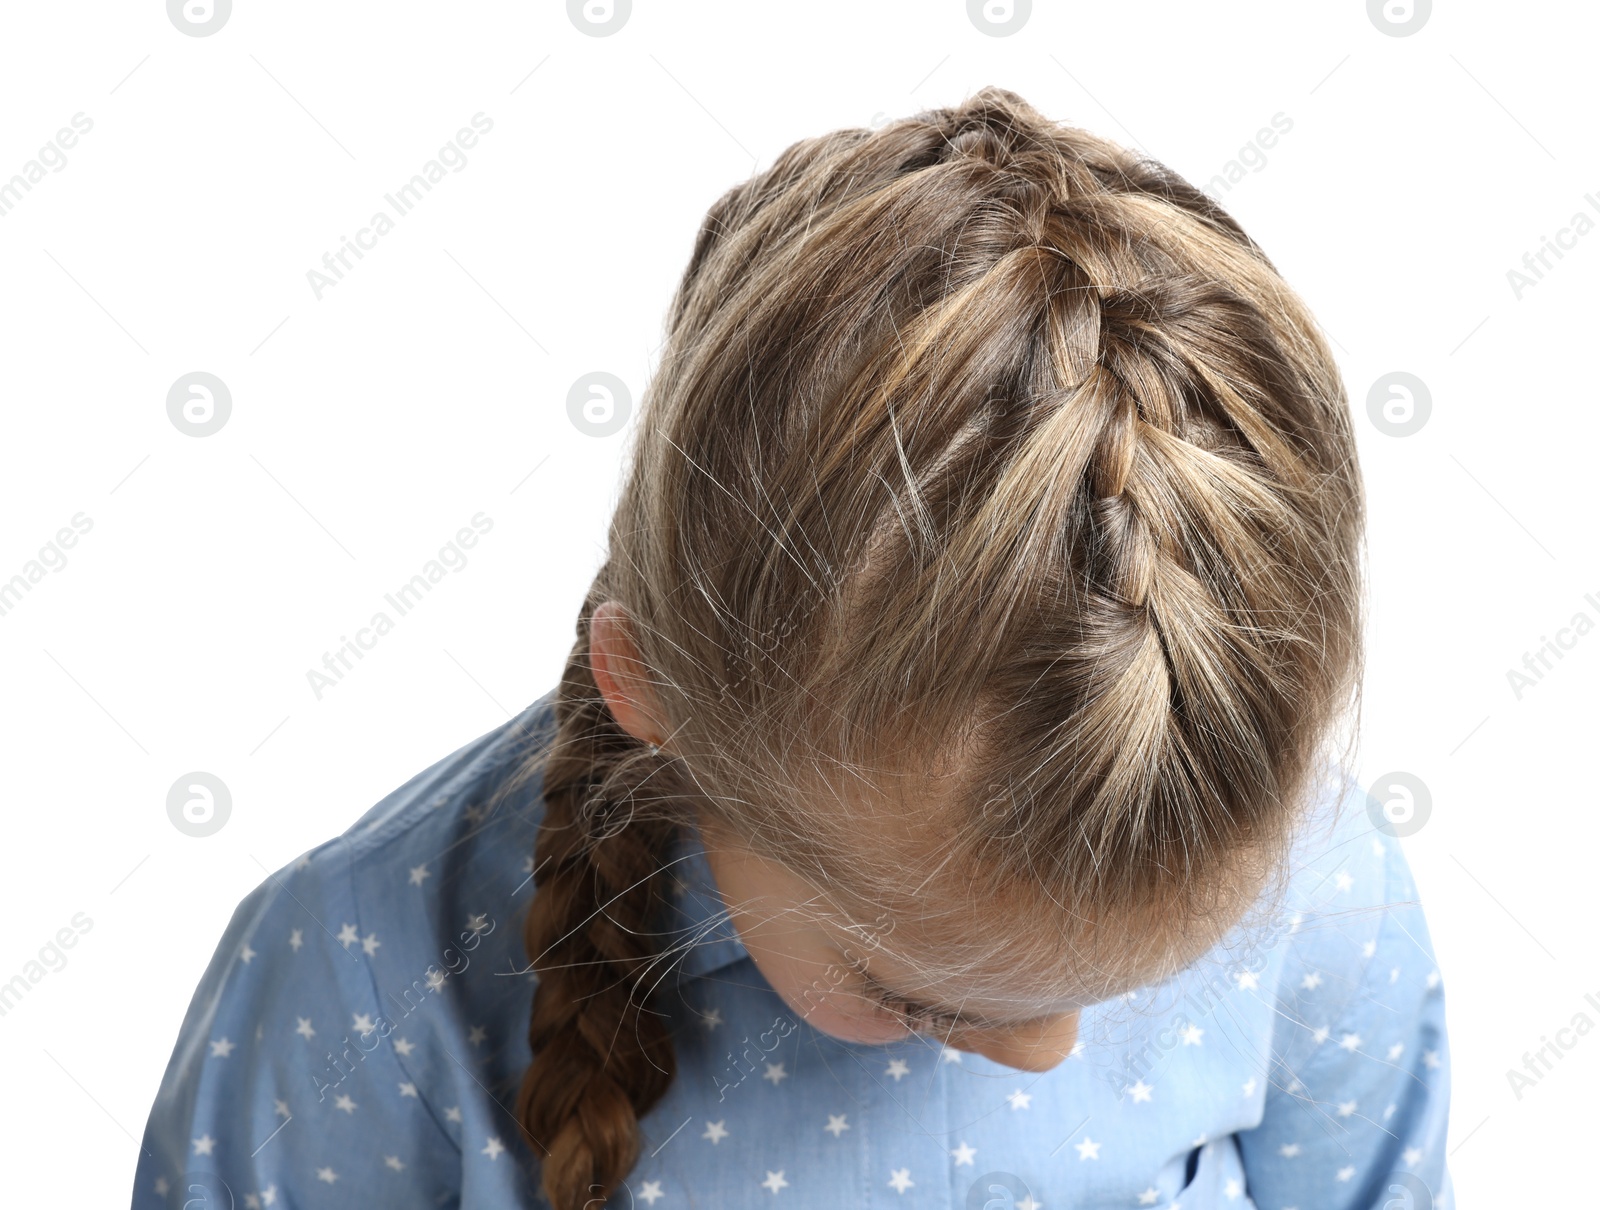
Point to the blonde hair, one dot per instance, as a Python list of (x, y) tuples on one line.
[(974, 434)]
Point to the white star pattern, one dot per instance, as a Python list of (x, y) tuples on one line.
[(1027, 1203), (161, 1186), (1324, 999)]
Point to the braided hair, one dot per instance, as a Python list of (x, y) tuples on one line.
[(975, 433)]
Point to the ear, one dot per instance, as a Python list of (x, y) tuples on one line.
[(621, 676)]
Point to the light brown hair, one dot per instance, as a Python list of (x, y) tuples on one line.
[(977, 434)]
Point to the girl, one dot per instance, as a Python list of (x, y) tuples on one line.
[(939, 807)]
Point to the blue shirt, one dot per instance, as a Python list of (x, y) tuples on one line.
[(360, 1033)]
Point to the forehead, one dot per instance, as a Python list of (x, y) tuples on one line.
[(903, 898)]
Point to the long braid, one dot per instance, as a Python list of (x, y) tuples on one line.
[(601, 1057)]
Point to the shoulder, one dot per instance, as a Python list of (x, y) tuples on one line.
[(342, 974), (1359, 1073), (1354, 922)]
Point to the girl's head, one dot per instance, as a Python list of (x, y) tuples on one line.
[(987, 575)]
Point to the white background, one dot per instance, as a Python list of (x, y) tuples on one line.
[(430, 384)]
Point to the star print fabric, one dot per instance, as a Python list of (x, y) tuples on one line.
[(359, 1036)]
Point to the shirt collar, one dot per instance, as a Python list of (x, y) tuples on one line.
[(701, 918)]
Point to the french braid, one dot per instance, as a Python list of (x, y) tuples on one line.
[(975, 434)]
